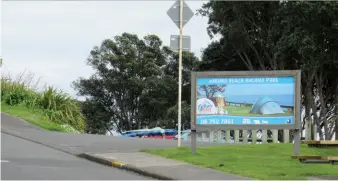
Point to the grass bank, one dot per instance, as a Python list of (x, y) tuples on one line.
[(49, 108), (261, 161), (34, 117)]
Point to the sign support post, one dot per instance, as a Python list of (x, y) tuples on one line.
[(297, 129), (180, 76), (180, 19), (193, 137)]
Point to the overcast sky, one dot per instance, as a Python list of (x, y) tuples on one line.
[(53, 39)]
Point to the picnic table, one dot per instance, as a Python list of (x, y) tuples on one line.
[(319, 159), (321, 143)]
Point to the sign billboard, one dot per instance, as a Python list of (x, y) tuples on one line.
[(246, 99)]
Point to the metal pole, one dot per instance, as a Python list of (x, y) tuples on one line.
[(180, 75)]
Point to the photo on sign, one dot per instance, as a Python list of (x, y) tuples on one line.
[(247, 100)]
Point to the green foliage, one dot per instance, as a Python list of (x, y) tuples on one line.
[(135, 84), (275, 35), (97, 119), (172, 113), (272, 35), (14, 98), (13, 94), (56, 106)]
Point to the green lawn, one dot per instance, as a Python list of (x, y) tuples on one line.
[(245, 111), (34, 117), (261, 161)]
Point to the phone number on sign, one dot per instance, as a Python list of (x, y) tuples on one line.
[(217, 121)]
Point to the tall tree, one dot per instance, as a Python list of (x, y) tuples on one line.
[(165, 91), (135, 84), (122, 66), (313, 36), (278, 36)]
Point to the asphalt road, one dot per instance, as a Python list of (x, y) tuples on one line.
[(81, 143), (25, 160)]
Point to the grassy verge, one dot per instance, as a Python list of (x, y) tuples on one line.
[(48, 108), (262, 161), (34, 117)]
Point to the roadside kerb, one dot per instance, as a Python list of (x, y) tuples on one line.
[(117, 164)]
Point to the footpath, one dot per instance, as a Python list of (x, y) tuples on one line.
[(116, 152), (158, 167)]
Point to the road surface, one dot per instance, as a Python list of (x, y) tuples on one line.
[(80, 143), (22, 159)]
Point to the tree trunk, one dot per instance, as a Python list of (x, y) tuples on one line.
[(303, 123), (313, 133), (336, 107), (323, 105), (308, 106), (321, 134), (326, 129), (111, 134)]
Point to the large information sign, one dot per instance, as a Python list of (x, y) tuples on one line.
[(257, 99), (245, 100)]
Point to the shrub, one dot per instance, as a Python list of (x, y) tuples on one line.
[(57, 106)]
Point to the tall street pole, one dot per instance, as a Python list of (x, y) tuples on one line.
[(176, 43), (180, 75)]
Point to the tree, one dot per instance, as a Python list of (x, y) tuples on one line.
[(135, 84), (171, 117), (161, 94), (189, 63), (162, 100), (98, 120), (210, 90), (280, 36), (122, 66), (314, 38), (218, 56)]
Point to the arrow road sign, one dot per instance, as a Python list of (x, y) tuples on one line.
[(174, 13), (175, 43)]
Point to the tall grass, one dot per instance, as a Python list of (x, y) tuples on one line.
[(57, 106)]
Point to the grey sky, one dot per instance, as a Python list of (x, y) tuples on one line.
[(53, 39)]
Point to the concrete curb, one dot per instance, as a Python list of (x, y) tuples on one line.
[(117, 164)]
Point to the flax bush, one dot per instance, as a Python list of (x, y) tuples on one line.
[(56, 105)]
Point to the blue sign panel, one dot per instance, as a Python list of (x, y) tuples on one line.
[(247, 100)]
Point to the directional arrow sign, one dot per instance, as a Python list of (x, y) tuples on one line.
[(174, 13), (175, 43)]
